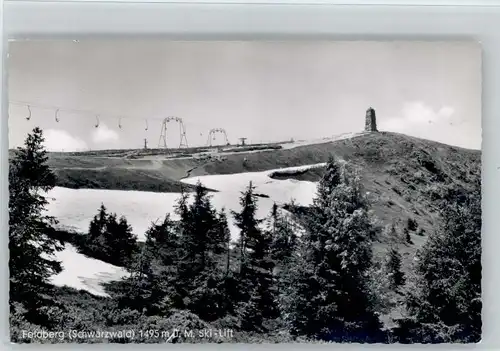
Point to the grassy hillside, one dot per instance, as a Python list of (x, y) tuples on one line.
[(375, 149)]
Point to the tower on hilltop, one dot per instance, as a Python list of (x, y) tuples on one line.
[(370, 121)]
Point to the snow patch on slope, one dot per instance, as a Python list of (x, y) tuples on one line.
[(321, 140), (83, 273), (294, 170), (75, 208)]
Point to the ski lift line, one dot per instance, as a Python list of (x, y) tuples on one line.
[(79, 111), (51, 107), (106, 116)]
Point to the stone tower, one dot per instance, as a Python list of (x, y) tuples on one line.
[(370, 121)]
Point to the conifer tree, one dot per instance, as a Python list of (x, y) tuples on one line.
[(121, 242), (163, 239), (446, 296), (224, 238), (182, 210), (407, 236), (248, 224), (421, 232), (230, 281), (284, 239), (256, 265), (330, 297), (31, 248), (135, 292), (283, 250), (412, 224), (151, 287), (184, 278), (393, 267), (393, 233), (98, 224), (96, 243), (199, 231), (200, 277), (330, 180), (110, 239)]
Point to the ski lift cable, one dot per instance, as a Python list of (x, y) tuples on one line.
[(30, 105), (91, 112), (101, 116)]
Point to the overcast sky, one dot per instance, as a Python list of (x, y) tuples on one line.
[(265, 91)]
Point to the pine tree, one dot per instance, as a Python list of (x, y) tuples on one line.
[(163, 239), (330, 180), (152, 285), (393, 267), (96, 243), (446, 297), (110, 239), (200, 277), (122, 241), (248, 224), (421, 232), (199, 231), (30, 245), (330, 294), (284, 239), (224, 238), (135, 292), (98, 224), (412, 224), (283, 250), (251, 314), (184, 280), (407, 236), (229, 281), (393, 233), (182, 209), (256, 266)]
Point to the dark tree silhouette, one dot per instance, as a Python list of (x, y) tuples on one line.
[(31, 245), (330, 297)]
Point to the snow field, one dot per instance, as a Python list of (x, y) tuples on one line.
[(75, 208), (320, 141), (83, 273)]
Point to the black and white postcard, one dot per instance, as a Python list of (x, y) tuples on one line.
[(244, 191)]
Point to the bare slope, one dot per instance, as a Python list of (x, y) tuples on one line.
[(379, 156)]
